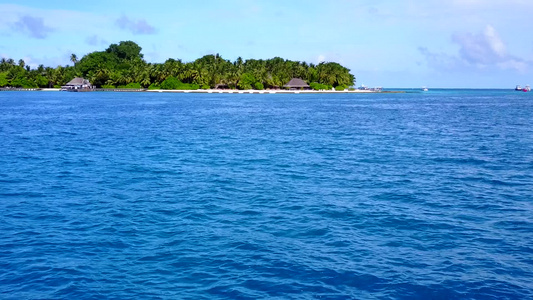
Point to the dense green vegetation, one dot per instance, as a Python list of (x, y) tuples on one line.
[(122, 65)]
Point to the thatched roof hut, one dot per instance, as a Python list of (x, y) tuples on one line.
[(296, 83), (77, 83)]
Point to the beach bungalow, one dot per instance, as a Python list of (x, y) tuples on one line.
[(77, 83), (297, 84)]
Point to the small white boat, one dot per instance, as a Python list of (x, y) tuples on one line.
[(518, 88), (424, 89), (526, 89)]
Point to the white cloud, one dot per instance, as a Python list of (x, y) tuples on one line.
[(440, 61), (32, 26), (513, 64), (494, 41), (135, 26), (95, 40), (481, 50), (59, 19), (327, 56)]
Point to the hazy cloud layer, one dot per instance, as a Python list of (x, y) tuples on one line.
[(481, 50), (135, 26), (441, 61), (32, 26), (95, 40)]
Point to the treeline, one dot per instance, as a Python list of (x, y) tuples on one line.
[(123, 65)]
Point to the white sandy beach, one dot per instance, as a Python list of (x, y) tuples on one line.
[(212, 91)]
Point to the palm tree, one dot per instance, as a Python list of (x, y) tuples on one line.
[(145, 82), (4, 65), (73, 58), (49, 74)]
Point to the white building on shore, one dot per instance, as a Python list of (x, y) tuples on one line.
[(77, 83)]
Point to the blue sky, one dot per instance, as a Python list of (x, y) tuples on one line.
[(390, 43)]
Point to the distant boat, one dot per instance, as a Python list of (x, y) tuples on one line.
[(526, 89), (518, 88), (424, 89)]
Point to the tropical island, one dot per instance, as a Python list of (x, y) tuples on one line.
[(122, 65)]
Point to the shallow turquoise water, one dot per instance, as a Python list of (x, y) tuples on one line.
[(169, 196)]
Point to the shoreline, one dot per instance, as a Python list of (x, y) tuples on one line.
[(209, 91)]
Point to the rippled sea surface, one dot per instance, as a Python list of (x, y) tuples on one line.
[(208, 196)]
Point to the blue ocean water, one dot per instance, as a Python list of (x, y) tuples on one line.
[(212, 196)]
